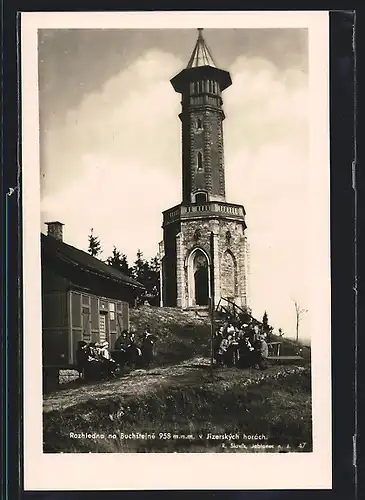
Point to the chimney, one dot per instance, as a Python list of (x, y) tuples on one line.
[(55, 229)]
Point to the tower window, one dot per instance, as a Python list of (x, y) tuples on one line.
[(200, 160), (197, 235), (200, 198), (199, 123)]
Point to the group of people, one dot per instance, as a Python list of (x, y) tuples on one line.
[(128, 351), (242, 346), (96, 361)]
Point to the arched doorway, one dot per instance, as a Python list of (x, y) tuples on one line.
[(199, 289)]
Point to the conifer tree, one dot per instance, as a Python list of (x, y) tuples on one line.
[(265, 321), (139, 268), (118, 260), (94, 244)]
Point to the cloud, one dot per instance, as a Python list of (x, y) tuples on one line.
[(266, 152), (115, 165)]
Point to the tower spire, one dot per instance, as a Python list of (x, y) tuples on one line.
[(201, 55)]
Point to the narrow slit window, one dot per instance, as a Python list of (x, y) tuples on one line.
[(199, 123), (200, 160)]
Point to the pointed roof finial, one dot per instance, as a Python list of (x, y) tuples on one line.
[(201, 55)]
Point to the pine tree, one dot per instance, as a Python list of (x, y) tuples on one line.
[(266, 328), (94, 244), (153, 282), (119, 261), (265, 321), (148, 273), (139, 268)]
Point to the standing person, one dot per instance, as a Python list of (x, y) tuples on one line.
[(223, 350), (230, 351), (256, 332), (250, 352), (81, 358), (262, 353), (147, 347), (241, 348), (134, 354), (230, 330), (216, 345), (120, 349)]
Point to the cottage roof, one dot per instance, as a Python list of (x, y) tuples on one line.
[(84, 261)]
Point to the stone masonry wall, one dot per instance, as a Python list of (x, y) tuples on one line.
[(231, 240), (230, 272)]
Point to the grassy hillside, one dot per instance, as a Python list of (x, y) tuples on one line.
[(180, 334), (181, 398), (184, 334), (184, 403)]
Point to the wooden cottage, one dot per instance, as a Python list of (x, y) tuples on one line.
[(82, 299)]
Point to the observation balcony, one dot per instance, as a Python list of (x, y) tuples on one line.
[(209, 209)]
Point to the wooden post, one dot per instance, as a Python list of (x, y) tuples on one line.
[(211, 302), (211, 334)]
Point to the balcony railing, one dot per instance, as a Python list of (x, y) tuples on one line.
[(209, 208)]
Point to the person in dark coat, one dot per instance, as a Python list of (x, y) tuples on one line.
[(216, 345), (121, 341), (81, 358), (147, 347), (119, 353)]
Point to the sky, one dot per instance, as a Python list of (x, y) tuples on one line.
[(110, 145)]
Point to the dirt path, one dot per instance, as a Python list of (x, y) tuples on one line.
[(194, 371)]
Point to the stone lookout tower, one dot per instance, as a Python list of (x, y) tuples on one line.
[(204, 250)]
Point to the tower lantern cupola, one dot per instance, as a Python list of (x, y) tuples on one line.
[(201, 85)]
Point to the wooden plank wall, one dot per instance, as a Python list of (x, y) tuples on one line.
[(85, 310), (55, 338)]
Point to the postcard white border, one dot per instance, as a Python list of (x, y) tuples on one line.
[(179, 471)]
